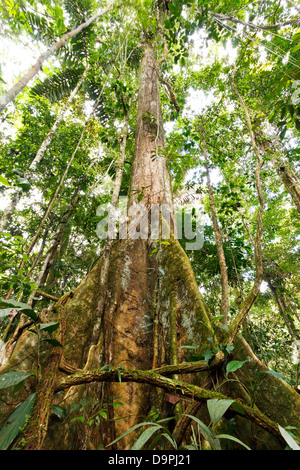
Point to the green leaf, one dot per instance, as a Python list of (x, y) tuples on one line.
[(232, 366), (58, 411), (288, 438), (223, 327), (232, 438), (208, 355), (229, 348), (50, 327), (217, 408), (13, 378), (15, 422), (271, 372), (4, 312), (170, 439), (130, 430), (144, 437), (18, 172), (296, 48), (216, 318), (103, 414), (24, 308), (77, 418), (4, 181), (23, 183), (238, 407)]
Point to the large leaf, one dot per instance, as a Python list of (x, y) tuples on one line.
[(60, 84), (232, 438), (24, 308), (50, 327), (5, 312), (144, 437), (271, 372), (130, 430), (288, 438), (15, 422), (12, 378), (217, 408), (4, 181), (232, 366)]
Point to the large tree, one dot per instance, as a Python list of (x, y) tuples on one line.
[(119, 342)]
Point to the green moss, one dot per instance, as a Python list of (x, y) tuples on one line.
[(179, 277)]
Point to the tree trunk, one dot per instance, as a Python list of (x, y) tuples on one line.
[(283, 310), (8, 212), (224, 310)]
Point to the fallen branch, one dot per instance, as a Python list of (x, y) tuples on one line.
[(172, 386)]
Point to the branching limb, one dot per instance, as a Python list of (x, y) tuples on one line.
[(271, 27), (218, 236)]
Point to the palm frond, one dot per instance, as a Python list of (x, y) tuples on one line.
[(79, 10), (82, 43), (60, 84), (38, 27)]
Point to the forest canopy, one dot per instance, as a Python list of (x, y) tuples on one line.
[(187, 341)]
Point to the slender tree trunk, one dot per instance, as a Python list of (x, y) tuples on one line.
[(48, 139), (279, 299), (54, 247), (50, 205), (21, 84), (286, 174), (289, 180), (8, 212), (218, 236), (250, 299)]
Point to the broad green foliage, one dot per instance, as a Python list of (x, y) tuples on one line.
[(15, 422)]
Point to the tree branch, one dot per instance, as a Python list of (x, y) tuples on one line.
[(259, 271), (233, 19), (173, 386)]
